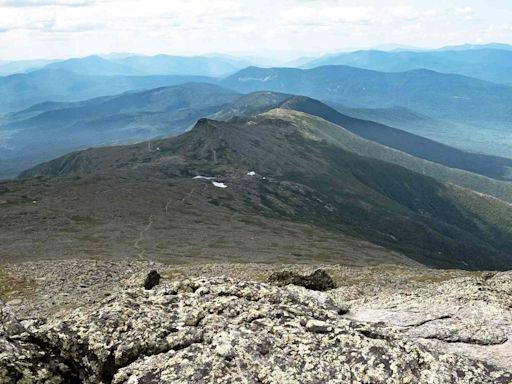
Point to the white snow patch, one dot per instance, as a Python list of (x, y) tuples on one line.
[(262, 79), (203, 178), (252, 173), (219, 185)]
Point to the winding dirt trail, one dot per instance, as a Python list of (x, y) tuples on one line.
[(136, 245)]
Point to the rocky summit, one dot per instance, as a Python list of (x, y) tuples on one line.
[(196, 326)]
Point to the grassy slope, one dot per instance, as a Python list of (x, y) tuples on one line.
[(492, 166), (103, 216), (323, 130), (312, 179)]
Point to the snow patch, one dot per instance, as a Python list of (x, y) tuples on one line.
[(262, 79), (252, 173), (203, 178), (219, 185)]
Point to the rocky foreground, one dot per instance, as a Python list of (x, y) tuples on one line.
[(97, 322)]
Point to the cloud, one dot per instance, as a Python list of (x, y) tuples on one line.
[(46, 3), (405, 13), (499, 28), (327, 16), (48, 22), (63, 28), (465, 11)]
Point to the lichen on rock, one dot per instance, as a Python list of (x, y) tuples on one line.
[(204, 330)]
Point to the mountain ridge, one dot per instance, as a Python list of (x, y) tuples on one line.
[(20, 91), (311, 180), (487, 63), (356, 87)]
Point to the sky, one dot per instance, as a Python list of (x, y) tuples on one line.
[(32, 29)]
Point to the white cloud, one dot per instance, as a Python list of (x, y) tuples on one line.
[(464, 11), (327, 16), (431, 13), (499, 28), (405, 13), (46, 3), (32, 28), (47, 22)]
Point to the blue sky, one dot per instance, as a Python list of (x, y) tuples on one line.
[(286, 28)]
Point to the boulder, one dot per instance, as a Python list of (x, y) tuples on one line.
[(319, 280), (152, 280)]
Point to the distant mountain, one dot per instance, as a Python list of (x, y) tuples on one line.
[(465, 47), (93, 65), (139, 65), (397, 117), (48, 130), (213, 66), (21, 66), (21, 91), (435, 94), (396, 47), (487, 63), (305, 173)]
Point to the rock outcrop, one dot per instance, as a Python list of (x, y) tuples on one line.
[(152, 280), (24, 359), (468, 316), (221, 330), (319, 280)]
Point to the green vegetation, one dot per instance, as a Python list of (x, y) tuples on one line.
[(417, 146), (319, 129), (13, 287), (317, 175)]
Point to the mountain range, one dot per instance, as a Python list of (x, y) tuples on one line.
[(457, 110), (282, 166), (48, 130), (471, 113), (489, 64), (393, 158), (22, 91), (443, 96), (134, 65)]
